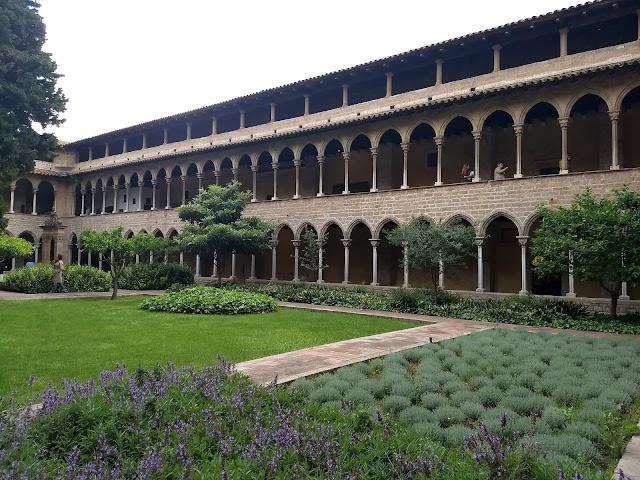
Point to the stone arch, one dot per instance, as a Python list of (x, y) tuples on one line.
[(620, 98), (307, 149), (332, 146), (502, 254), (376, 231), (449, 120), (541, 139), (628, 126), (23, 199), (128, 234), (359, 137), (282, 225), (457, 216), (327, 224), (157, 233), (74, 248), (301, 228), (355, 223), (284, 252), (264, 176), (482, 228), (531, 105), (589, 131), (361, 254), (529, 222), (487, 114), (584, 93), (390, 268), (411, 128), (45, 198)]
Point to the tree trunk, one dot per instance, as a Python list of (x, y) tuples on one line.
[(434, 277), (614, 305), (114, 294)]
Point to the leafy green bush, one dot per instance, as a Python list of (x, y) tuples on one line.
[(210, 301), (76, 278), (154, 276)]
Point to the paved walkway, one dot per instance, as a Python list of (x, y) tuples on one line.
[(41, 296)]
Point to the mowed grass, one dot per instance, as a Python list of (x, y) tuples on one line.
[(79, 338)]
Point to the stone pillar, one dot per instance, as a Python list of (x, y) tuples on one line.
[(274, 167), (306, 104), (115, 198), (389, 84), (214, 274), (165, 139), (168, 205), (126, 189), (480, 243), (137, 258), (477, 136), (439, 63), (90, 153), (253, 267), (55, 200), (233, 276), (523, 264), (89, 258), (199, 177), (254, 171), (181, 258), (518, 129), (13, 264), (234, 172), (439, 141), (345, 95), (106, 149), (374, 170), (613, 116), (241, 118), (82, 193), (184, 189), (440, 275), (144, 141), (104, 200), (140, 185), (99, 261), (35, 201), (320, 261), (296, 163), (93, 201), (273, 112), (564, 126), (345, 156), (571, 293), (405, 174), (214, 126), (188, 131), (274, 260), (154, 183), (216, 174), (320, 159), (13, 199), (405, 264), (624, 294), (496, 57), (346, 243), (374, 243), (197, 265), (296, 259), (563, 41), (36, 252), (638, 13), (125, 147)]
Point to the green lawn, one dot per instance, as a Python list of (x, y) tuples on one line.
[(79, 338)]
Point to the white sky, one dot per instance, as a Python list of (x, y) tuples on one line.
[(129, 61)]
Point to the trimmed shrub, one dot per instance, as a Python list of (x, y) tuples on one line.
[(359, 396), (489, 396), (154, 276), (210, 301), (324, 394), (414, 415), (433, 400), (553, 417), (83, 278), (76, 278), (395, 403), (447, 415), (472, 411)]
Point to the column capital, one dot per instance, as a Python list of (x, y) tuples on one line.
[(216, 173), (275, 165), (12, 188), (518, 129), (183, 178), (296, 243), (127, 185), (346, 155), (439, 141), (141, 184), (374, 151), (115, 187), (273, 243), (345, 85), (234, 171), (439, 61), (297, 162), (199, 176), (405, 146), (522, 240), (374, 242), (346, 242), (92, 190), (154, 181), (497, 47), (564, 122), (564, 30), (82, 192), (389, 74), (480, 241), (320, 159), (254, 168), (477, 134), (614, 115)]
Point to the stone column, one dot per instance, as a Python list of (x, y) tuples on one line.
[(613, 116), (345, 156), (168, 205), (214, 274), (55, 200), (274, 260), (241, 118), (13, 264), (320, 261), (563, 41), (144, 141), (188, 131), (518, 129), (296, 259), (374, 168), (439, 63), (405, 264), (199, 177), (82, 193), (320, 159), (214, 126), (274, 167), (346, 243), (480, 243), (36, 252), (440, 275), (523, 264), (181, 257), (571, 293), (389, 84), (197, 265), (477, 136), (13, 199), (104, 200), (115, 198), (93, 201), (137, 258), (254, 171), (99, 261), (125, 147), (35, 202), (306, 104), (126, 189), (345, 95), (273, 112), (165, 139), (638, 13), (233, 276), (564, 125), (184, 189), (154, 183), (106, 149), (80, 250), (296, 163), (624, 294), (253, 267), (216, 174), (90, 154), (405, 165), (374, 243), (496, 57), (439, 141), (234, 172), (89, 258), (140, 185)]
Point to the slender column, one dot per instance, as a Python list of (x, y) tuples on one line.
[(273, 112), (55, 200), (374, 243), (80, 250), (93, 201), (181, 258), (274, 260), (115, 198), (274, 166), (346, 243), (480, 243), (374, 170), (36, 253), (624, 294), (144, 141), (234, 172), (476, 153), (296, 163), (405, 264), (165, 139), (320, 159), (137, 258), (253, 267), (518, 129), (99, 262), (125, 147), (150, 257), (346, 156), (13, 199), (35, 201), (74, 199), (320, 261), (564, 125), (215, 265), (90, 153), (89, 257), (389, 84), (345, 95), (296, 259), (197, 265), (571, 293), (439, 63), (496, 57), (188, 131), (638, 13), (254, 171), (82, 193), (140, 185), (168, 205), (127, 186), (405, 174), (13, 264), (439, 141), (216, 173), (214, 126), (306, 104), (199, 177), (563, 41), (233, 267), (184, 189), (104, 200), (440, 274), (613, 116), (241, 118), (154, 183), (523, 264)]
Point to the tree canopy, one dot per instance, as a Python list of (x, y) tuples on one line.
[(11, 247), (120, 251), (215, 225), (28, 91), (602, 236)]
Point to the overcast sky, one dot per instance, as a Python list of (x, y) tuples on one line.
[(128, 61)]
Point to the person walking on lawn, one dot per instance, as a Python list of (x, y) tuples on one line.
[(58, 267)]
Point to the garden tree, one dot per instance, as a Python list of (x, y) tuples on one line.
[(120, 251), (310, 255), (28, 91), (598, 238), (216, 228), (434, 246), (11, 247)]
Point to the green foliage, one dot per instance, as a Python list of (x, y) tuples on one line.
[(310, 251), (601, 236), (37, 279), (210, 301), (154, 276), (14, 247)]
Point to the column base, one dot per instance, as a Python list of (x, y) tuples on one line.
[(476, 179), (274, 198), (91, 214), (253, 278), (102, 213), (319, 281), (518, 175), (373, 190), (232, 279), (296, 280), (153, 209), (344, 192), (564, 172), (82, 214), (319, 194), (438, 184), (570, 295), (273, 279), (523, 292), (374, 284), (479, 289), (614, 167), (404, 187), (624, 298), (346, 282), (296, 197), (406, 285), (254, 200)]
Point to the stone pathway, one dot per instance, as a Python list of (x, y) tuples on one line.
[(42, 296)]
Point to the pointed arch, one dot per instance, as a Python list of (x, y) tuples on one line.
[(301, 228), (484, 224), (383, 223), (328, 223), (493, 111), (584, 93), (530, 106)]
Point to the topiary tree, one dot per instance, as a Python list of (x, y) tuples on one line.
[(310, 256), (215, 226), (599, 240), (120, 251), (434, 246), (11, 247)]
